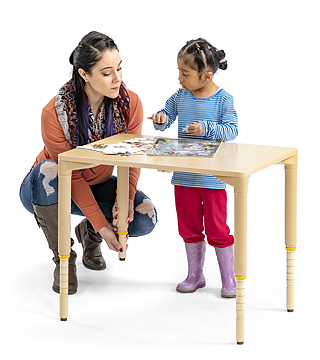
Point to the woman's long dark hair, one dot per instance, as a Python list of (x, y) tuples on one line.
[(85, 56)]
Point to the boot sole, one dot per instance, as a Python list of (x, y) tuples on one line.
[(200, 286), (92, 268), (76, 230), (228, 296)]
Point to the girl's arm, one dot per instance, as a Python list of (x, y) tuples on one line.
[(227, 128), (166, 117)]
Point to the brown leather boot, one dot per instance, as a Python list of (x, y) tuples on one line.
[(90, 240), (47, 219)]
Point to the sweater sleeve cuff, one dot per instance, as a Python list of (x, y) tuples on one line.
[(204, 127), (160, 126)]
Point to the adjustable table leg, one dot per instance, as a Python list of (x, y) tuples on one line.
[(290, 225), (123, 204)]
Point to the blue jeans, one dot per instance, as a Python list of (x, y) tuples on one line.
[(40, 187)]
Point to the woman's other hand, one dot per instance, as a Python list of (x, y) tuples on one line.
[(110, 236)]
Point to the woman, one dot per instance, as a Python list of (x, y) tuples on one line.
[(93, 105)]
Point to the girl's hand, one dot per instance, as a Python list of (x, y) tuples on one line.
[(110, 237), (158, 118), (195, 129)]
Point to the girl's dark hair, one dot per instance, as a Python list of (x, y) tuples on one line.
[(201, 56), (85, 56)]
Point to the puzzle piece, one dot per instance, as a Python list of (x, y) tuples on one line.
[(186, 128)]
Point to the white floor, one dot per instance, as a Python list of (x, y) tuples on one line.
[(132, 308)]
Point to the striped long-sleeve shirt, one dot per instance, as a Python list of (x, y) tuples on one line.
[(219, 122)]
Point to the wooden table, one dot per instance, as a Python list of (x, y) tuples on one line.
[(233, 164)]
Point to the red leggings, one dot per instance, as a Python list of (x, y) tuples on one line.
[(203, 209)]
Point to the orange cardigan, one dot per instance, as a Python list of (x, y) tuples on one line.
[(56, 143)]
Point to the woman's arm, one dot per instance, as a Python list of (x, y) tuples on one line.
[(134, 127), (56, 143)]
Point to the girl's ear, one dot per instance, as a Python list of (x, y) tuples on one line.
[(83, 74), (208, 76)]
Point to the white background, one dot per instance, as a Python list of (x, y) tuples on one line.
[(132, 308)]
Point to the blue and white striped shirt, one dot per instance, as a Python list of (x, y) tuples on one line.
[(219, 122)]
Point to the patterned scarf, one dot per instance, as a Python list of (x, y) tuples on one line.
[(115, 121)]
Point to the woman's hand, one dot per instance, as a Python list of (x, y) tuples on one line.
[(158, 118), (110, 237), (195, 129), (115, 212)]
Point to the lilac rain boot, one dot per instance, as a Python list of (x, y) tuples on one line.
[(195, 279), (225, 260)]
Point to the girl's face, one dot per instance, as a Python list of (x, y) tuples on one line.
[(190, 80), (105, 77)]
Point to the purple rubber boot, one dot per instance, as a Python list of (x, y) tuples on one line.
[(225, 260), (195, 279)]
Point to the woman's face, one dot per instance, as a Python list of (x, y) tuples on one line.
[(105, 77)]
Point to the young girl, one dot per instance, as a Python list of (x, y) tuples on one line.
[(207, 112)]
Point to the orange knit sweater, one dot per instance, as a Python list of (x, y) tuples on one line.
[(56, 143)]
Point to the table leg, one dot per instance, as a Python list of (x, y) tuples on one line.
[(240, 252), (290, 226), (64, 210), (123, 205)]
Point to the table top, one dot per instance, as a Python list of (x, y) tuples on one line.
[(232, 159)]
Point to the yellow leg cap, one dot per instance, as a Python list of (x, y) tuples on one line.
[(240, 277)]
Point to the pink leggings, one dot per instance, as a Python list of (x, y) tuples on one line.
[(203, 209)]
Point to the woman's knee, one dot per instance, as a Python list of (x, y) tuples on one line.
[(40, 186), (48, 173), (145, 216)]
